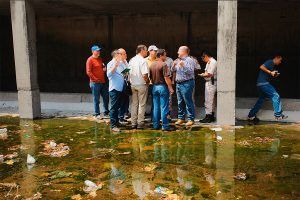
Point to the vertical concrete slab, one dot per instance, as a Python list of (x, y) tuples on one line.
[(24, 39), (226, 43)]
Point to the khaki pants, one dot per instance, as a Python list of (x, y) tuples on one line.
[(210, 97), (138, 104)]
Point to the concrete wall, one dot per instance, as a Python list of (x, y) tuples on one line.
[(63, 43)]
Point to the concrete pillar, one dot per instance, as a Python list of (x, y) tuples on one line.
[(24, 39), (227, 34)]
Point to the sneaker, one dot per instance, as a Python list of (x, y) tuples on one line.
[(140, 126), (115, 129), (106, 115), (134, 126), (180, 122), (168, 129), (123, 122), (254, 120), (98, 117), (127, 116), (190, 123), (282, 117), (207, 119)]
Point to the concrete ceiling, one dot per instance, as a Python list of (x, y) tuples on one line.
[(98, 7)]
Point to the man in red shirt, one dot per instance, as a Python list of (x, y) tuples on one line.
[(95, 70)]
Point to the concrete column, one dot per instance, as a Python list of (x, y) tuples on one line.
[(227, 34), (24, 39)]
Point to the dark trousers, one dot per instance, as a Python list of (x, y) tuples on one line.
[(115, 104)]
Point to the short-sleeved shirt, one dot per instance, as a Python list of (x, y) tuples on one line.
[(263, 77), (116, 79), (158, 71), (186, 72), (211, 68), (94, 69), (138, 68), (149, 61)]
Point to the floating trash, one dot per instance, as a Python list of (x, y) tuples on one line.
[(3, 133), (216, 129), (240, 176), (91, 187), (30, 159), (150, 167), (76, 197), (55, 150), (59, 174), (163, 190), (219, 138), (285, 156)]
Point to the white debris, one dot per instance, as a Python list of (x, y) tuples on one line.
[(216, 129), (52, 144), (30, 159), (90, 183), (91, 187), (285, 156), (219, 138), (3, 133)]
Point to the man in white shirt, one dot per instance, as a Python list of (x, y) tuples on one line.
[(138, 76), (210, 76)]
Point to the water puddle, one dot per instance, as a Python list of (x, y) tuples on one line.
[(77, 159)]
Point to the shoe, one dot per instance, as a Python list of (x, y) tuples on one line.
[(106, 115), (207, 119), (98, 117), (180, 122), (253, 120), (115, 129), (190, 123), (282, 117), (140, 126), (213, 118), (168, 129), (127, 116), (123, 122), (134, 126)]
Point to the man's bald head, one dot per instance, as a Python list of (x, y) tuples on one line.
[(123, 53), (183, 51)]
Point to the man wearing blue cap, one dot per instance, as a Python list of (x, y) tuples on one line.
[(95, 69)]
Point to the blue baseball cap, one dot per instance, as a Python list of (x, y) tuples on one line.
[(96, 48)]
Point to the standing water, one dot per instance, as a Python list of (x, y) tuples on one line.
[(76, 159)]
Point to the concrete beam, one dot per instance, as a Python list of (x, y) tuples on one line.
[(24, 39), (226, 42)]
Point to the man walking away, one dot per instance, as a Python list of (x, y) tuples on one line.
[(139, 80), (266, 90), (184, 67), (116, 84), (210, 76), (96, 72), (162, 88)]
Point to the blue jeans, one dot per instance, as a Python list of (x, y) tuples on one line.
[(185, 100), (115, 104), (267, 92), (160, 95), (124, 105), (97, 90)]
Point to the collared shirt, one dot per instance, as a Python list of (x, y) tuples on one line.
[(116, 79), (149, 61), (263, 77), (138, 68), (211, 68), (186, 72), (94, 69)]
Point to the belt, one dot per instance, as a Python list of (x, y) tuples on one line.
[(210, 80), (184, 81)]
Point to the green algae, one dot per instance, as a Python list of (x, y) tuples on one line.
[(192, 163)]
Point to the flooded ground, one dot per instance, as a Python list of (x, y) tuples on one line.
[(254, 162)]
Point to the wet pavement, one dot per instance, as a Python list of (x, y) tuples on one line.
[(251, 162)]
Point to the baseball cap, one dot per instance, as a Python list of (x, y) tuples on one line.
[(96, 48), (152, 48)]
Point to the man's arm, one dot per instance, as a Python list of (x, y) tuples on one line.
[(169, 84), (89, 70), (266, 70)]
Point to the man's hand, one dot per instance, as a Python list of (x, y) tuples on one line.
[(171, 90), (202, 74), (273, 73), (181, 64)]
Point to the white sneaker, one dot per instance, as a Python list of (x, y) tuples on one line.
[(116, 130), (282, 117)]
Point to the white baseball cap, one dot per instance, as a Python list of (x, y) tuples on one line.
[(152, 48)]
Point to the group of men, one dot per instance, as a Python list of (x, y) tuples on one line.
[(150, 74), (150, 70)]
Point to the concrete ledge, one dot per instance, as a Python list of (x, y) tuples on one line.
[(74, 103)]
